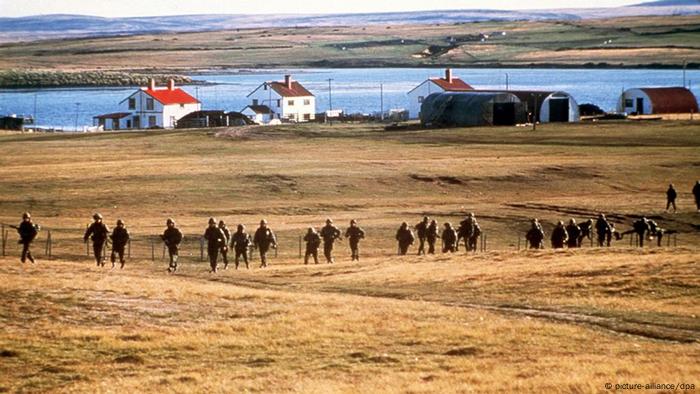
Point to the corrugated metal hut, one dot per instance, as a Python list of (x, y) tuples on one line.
[(464, 109), (203, 119), (551, 106), (648, 101)]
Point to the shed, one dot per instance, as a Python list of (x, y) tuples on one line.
[(648, 101), (551, 106), (113, 121), (212, 118), (464, 109)]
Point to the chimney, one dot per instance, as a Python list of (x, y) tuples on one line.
[(151, 84), (448, 75), (288, 81), (171, 84)]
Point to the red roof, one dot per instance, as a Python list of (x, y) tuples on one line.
[(168, 97), (671, 100), (297, 89), (457, 85)]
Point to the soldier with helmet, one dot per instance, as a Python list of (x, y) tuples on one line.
[(313, 241), (98, 232), (431, 236), (422, 232), (642, 228), (573, 232), (215, 241), (263, 239), (172, 237), (120, 237), (535, 235), (224, 248), (405, 237), (354, 234), (27, 231), (559, 236), (240, 241), (329, 233), (449, 239), (603, 230), (466, 230)]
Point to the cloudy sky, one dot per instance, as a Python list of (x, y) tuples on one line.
[(118, 8)]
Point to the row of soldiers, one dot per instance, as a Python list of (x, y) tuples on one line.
[(573, 234)]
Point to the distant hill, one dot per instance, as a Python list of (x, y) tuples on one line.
[(74, 26)]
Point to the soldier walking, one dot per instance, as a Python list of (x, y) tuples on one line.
[(240, 241), (98, 232), (215, 241), (27, 231), (422, 232), (474, 237), (263, 239), (224, 248), (431, 236), (329, 233), (120, 237), (172, 237), (466, 229), (449, 239), (671, 196), (573, 232), (559, 236), (535, 235), (603, 230), (696, 194), (313, 241), (405, 238), (642, 228), (354, 234)]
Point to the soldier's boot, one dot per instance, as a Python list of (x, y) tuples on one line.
[(306, 259), (30, 257)]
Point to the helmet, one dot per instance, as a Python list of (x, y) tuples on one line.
[(448, 224), (312, 230), (404, 224), (212, 221), (329, 221), (572, 221), (534, 220), (170, 221), (221, 223), (97, 216), (471, 214), (425, 218), (561, 223), (120, 222), (263, 222), (601, 216), (241, 227), (353, 221), (26, 215)]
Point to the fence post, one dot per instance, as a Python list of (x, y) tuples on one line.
[(48, 240), (153, 250), (201, 249), (485, 248), (518, 242), (2, 235), (128, 248), (300, 246)]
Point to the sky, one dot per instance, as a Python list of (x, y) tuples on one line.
[(126, 8)]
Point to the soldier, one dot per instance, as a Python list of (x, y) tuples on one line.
[(313, 241), (224, 248), (405, 237), (586, 229), (431, 236), (642, 228), (240, 241), (215, 241), (172, 237), (27, 233), (120, 237), (603, 230), (98, 232), (263, 239), (559, 236), (329, 233), (422, 231), (466, 230), (573, 233), (656, 231), (535, 235), (696, 193), (671, 197), (474, 238), (354, 234), (449, 239)]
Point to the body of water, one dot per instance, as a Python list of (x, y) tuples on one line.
[(353, 90)]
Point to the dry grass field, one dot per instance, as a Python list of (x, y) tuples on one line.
[(501, 320), (648, 41)]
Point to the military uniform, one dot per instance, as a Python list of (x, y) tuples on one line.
[(573, 232), (465, 230), (27, 234), (240, 243), (354, 234), (422, 232), (329, 233), (535, 235), (172, 237), (559, 236), (99, 233), (224, 248), (313, 241), (405, 238), (474, 237), (603, 230), (431, 236), (215, 241), (696, 194), (449, 239), (642, 228), (263, 239), (671, 196), (120, 237)]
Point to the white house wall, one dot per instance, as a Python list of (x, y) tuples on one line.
[(423, 90), (166, 115), (294, 112), (634, 94)]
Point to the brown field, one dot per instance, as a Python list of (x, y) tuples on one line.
[(501, 320)]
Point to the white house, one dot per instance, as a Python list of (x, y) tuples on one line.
[(434, 85), (260, 114), (151, 107), (289, 100), (646, 101)]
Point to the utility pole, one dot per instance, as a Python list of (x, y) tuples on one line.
[(381, 101), (685, 64), (77, 111), (507, 82), (534, 115), (269, 99), (330, 102), (35, 109)]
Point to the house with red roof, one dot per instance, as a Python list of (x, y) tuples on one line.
[(151, 107), (284, 100), (449, 83)]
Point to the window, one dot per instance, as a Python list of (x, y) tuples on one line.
[(151, 121), (307, 102), (173, 122), (279, 103), (290, 103), (128, 124), (629, 103), (137, 122), (420, 99), (307, 116), (149, 104), (182, 105), (255, 101), (132, 103)]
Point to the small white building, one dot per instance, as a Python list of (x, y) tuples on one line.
[(433, 85), (549, 107), (648, 101), (151, 107), (260, 114), (289, 100)]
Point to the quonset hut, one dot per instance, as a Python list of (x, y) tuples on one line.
[(648, 101), (465, 109), (551, 106)]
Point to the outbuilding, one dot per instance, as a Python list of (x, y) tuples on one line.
[(549, 106), (113, 121), (649, 101), (465, 109), (449, 83)]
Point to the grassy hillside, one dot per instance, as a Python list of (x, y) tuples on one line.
[(630, 42), (518, 320)]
